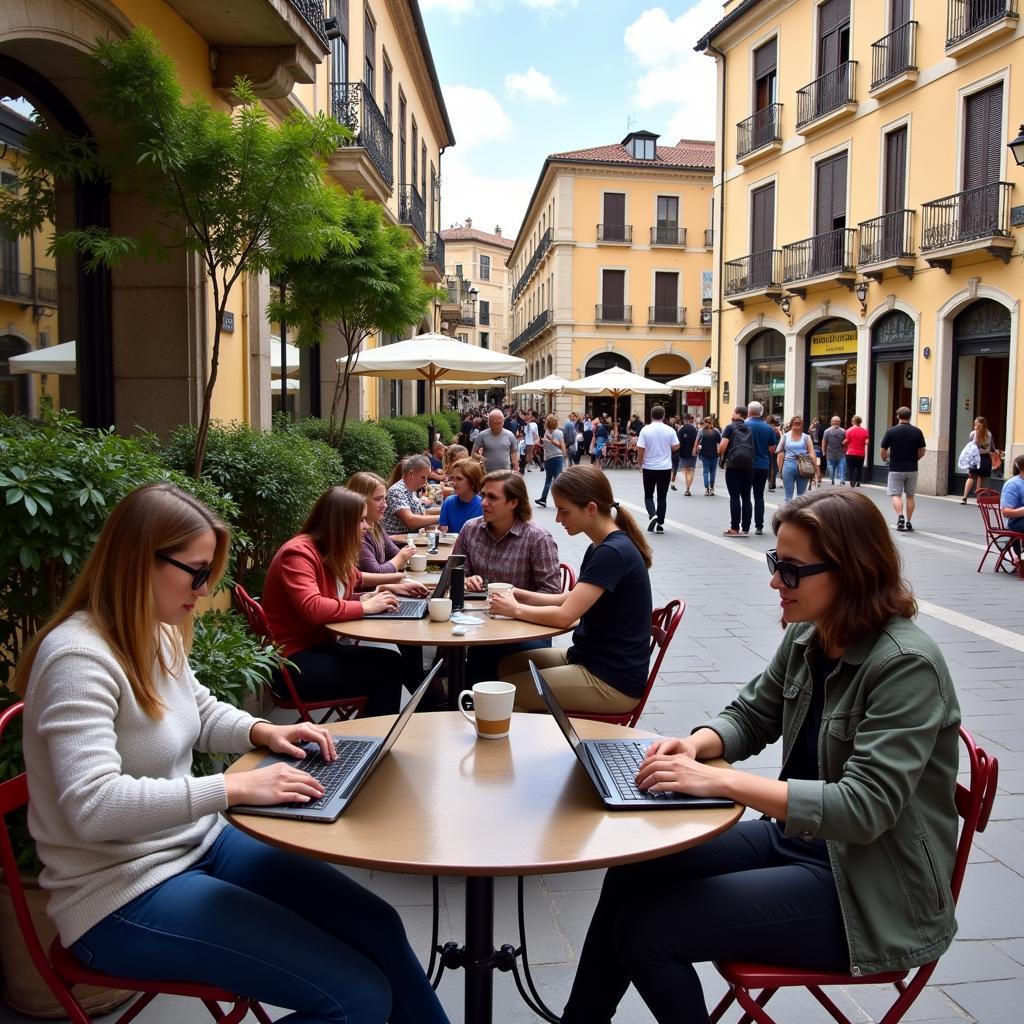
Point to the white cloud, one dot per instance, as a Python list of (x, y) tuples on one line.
[(476, 115), (676, 75), (532, 85), (489, 199)]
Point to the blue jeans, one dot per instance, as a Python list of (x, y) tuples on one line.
[(837, 466), (792, 480), (275, 926), (552, 470), (710, 464)]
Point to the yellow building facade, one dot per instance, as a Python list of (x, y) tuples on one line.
[(142, 331), (612, 266), (867, 221)]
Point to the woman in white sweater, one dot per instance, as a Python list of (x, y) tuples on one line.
[(145, 879)]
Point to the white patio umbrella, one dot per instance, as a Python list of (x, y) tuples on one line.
[(492, 382), (615, 382), (291, 354), (293, 385), (549, 385), (700, 380), (57, 359)]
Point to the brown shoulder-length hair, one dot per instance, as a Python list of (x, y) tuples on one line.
[(847, 529), (514, 487), (335, 525), (115, 588)]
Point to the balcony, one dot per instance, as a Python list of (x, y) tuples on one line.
[(667, 315), (887, 243), (367, 162), (615, 234), (974, 221), (827, 258), (532, 264), (273, 43), (531, 331), (894, 60), (827, 99), (457, 301), (609, 314), (705, 318), (756, 276), (973, 23), (760, 134), (433, 260), (36, 289), (664, 234), (412, 211), (709, 238)]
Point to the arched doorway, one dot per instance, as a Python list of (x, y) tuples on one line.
[(831, 371), (665, 367), (892, 380), (766, 372), (980, 379), (598, 364), (13, 389)]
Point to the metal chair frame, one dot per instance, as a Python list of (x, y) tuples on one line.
[(1009, 543)]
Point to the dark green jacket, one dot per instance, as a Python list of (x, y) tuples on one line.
[(884, 797)]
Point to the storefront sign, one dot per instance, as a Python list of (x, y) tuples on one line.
[(834, 343), (694, 397)]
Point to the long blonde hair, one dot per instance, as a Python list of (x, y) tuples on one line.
[(115, 588), (365, 483)]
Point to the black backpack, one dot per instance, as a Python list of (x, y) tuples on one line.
[(569, 433), (740, 453)]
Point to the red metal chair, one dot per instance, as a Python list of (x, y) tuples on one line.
[(973, 804), (664, 623), (1007, 542), (61, 970), (568, 577), (344, 707)]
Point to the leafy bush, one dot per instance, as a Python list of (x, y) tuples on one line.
[(366, 446), (409, 437), (60, 481), (274, 478)]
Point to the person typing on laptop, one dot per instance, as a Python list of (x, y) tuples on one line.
[(145, 879)]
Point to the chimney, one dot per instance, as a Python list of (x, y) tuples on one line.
[(497, 230), (469, 222)]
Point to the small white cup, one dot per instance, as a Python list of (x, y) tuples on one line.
[(439, 609), (418, 563), (492, 709), (498, 588), (411, 538)]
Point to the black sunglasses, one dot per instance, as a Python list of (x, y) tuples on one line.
[(791, 573), (200, 577)]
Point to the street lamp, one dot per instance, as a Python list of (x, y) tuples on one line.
[(861, 291), (1016, 147)]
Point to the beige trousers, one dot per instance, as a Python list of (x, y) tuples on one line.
[(576, 688)]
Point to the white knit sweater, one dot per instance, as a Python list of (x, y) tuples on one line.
[(113, 806)]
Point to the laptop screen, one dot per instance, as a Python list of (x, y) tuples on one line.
[(442, 581), (560, 717)]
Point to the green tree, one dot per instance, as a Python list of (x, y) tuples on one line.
[(373, 286), (242, 194)]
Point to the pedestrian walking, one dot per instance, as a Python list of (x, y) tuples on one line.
[(976, 475), (773, 468), (856, 442), (655, 445), (531, 437), (706, 445), (832, 443), (736, 451), (796, 459), (687, 434), (497, 445), (765, 441), (554, 456), (902, 447), (815, 433), (586, 428)]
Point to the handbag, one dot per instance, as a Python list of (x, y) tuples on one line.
[(805, 466)]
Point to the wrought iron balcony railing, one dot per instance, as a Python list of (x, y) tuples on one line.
[(761, 129), (759, 271), (666, 315), (889, 237), (354, 107), (664, 234), (965, 18), (538, 254), (894, 55), (610, 314), (412, 210), (46, 286), (831, 252), (615, 233), (39, 288), (976, 213), (15, 286), (525, 336), (433, 254), (827, 93), (312, 12)]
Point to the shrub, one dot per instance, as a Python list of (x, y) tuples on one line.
[(366, 447), (408, 436), (274, 477)]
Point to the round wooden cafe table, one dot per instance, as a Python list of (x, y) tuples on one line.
[(445, 803)]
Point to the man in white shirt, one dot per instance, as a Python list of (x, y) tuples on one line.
[(655, 445), (532, 437)]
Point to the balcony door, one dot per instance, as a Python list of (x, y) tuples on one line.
[(339, 46), (983, 143), (829, 215), (762, 236), (369, 53), (613, 295), (897, 51), (615, 216), (765, 93), (895, 197), (666, 297), (668, 219), (833, 55)]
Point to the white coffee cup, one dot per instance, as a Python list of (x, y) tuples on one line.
[(498, 588), (418, 563), (439, 609), (411, 538), (492, 709)]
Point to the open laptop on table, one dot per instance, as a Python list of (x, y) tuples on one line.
[(416, 607), (358, 757), (612, 765)]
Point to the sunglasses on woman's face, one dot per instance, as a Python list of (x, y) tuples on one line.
[(791, 573), (200, 577)]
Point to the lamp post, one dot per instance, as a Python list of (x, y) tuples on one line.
[(861, 291), (1016, 147)]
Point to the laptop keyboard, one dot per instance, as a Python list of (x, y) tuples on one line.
[(409, 607), (623, 761), (332, 774)]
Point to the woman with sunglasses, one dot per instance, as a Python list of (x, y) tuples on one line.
[(145, 879), (850, 867)]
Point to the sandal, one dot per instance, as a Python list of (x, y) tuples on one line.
[(731, 533)]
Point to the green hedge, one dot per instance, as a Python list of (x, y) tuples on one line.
[(366, 447), (409, 437)]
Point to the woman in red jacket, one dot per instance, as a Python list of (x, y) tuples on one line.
[(313, 580)]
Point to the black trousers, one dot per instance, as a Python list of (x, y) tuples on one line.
[(855, 469), (758, 481), (739, 483), (342, 670), (748, 894), (656, 480)]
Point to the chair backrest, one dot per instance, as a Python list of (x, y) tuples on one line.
[(254, 614), (973, 804), (568, 577), (664, 623)]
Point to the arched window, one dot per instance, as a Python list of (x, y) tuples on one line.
[(605, 361)]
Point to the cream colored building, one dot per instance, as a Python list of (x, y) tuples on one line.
[(868, 216), (612, 265)]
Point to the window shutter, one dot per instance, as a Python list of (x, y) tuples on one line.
[(895, 170), (666, 290), (615, 209), (899, 13), (765, 59), (983, 137), (613, 290), (762, 219)]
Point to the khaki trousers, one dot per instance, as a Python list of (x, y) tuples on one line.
[(576, 688)]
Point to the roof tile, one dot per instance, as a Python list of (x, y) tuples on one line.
[(696, 153)]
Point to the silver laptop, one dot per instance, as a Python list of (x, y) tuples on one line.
[(416, 607), (358, 757), (612, 765)]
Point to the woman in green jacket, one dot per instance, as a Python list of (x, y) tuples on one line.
[(850, 867)]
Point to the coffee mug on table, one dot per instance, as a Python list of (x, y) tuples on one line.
[(439, 609), (498, 588), (418, 563), (492, 709)]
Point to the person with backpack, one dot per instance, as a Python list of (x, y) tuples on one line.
[(687, 434), (736, 451), (765, 439), (570, 439)]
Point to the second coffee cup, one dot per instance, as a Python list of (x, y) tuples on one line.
[(418, 563), (439, 609), (492, 708)]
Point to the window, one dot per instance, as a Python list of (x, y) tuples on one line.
[(614, 227), (458, 270), (667, 228), (613, 295), (369, 52), (765, 75), (339, 46), (434, 198), (485, 268), (485, 312), (423, 172), (415, 151), (401, 139), (388, 85), (485, 339), (641, 148), (464, 338), (666, 295)]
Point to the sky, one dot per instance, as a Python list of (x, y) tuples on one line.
[(526, 78)]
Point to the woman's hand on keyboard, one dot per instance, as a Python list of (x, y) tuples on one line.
[(408, 588), (275, 784), (379, 601), (285, 739)]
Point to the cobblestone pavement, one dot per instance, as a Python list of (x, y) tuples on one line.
[(729, 630)]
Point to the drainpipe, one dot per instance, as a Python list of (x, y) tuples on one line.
[(721, 227)]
